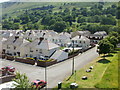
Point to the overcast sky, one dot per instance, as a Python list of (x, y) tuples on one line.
[(3, 0), (59, 0)]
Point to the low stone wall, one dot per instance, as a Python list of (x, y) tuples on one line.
[(6, 78), (88, 48), (27, 61), (80, 51), (73, 55), (46, 64), (9, 57)]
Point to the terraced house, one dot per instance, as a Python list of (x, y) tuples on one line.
[(41, 44)]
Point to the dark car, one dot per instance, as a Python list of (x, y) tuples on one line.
[(39, 84)]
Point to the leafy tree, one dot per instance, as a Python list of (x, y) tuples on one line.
[(115, 29), (15, 26), (74, 9), (69, 19), (113, 40), (81, 19), (36, 26), (22, 81), (108, 21), (60, 7), (118, 13), (114, 34), (59, 26), (52, 21), (84, 11), (105, 47), (16, 20), (45, 20)]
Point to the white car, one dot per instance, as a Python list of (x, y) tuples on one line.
[(7, 85)]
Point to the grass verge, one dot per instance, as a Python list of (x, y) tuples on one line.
[(103, 75)]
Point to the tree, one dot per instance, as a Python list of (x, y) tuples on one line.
[(108, 20), (52, 21), (59, 26), (105, 47), (114, 34), (81, 20), (21, 80), (15, 26), (113, 40)]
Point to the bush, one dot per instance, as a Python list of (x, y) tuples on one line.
[(29, 58), (49, 60), (75, 51)]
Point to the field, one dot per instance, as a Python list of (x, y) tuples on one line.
[(103, 75)]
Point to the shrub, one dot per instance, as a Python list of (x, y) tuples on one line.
[(49, 60), (29, 58)]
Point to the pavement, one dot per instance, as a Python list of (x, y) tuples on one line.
[(55, 73)]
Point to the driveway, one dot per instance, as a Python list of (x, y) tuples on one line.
[(55, 73)]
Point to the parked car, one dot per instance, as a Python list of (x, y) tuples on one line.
[(8, 68), (39, 84)]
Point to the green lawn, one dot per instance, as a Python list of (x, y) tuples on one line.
[(110, 78), (103, 75)]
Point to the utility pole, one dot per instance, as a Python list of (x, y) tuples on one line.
[(73, 59), (46, 75)]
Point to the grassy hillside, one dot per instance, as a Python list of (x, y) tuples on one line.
[(110, 77), (60, 16), (14, 7), (103, 75)]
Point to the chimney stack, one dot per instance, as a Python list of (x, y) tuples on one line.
[(79, 36), (16, 37), (40, 40)]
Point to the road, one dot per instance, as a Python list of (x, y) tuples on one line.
[(55, 73)]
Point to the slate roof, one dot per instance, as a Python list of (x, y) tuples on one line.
[(82, 38), (45, 44), (102, 33)]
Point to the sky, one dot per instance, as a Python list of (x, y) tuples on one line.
[(3, 1), (58, 0)]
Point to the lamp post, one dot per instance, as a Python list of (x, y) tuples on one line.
[(73, 59)]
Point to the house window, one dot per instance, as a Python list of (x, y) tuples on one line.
[(84, 41), (59, 40), (36, 50), (14, 53), (80, 41), (31, 50), (53, 40), (31, 55), (76, 41), (7, 51), (8, 47), (14, 47), (26, 55), (40, 50)]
